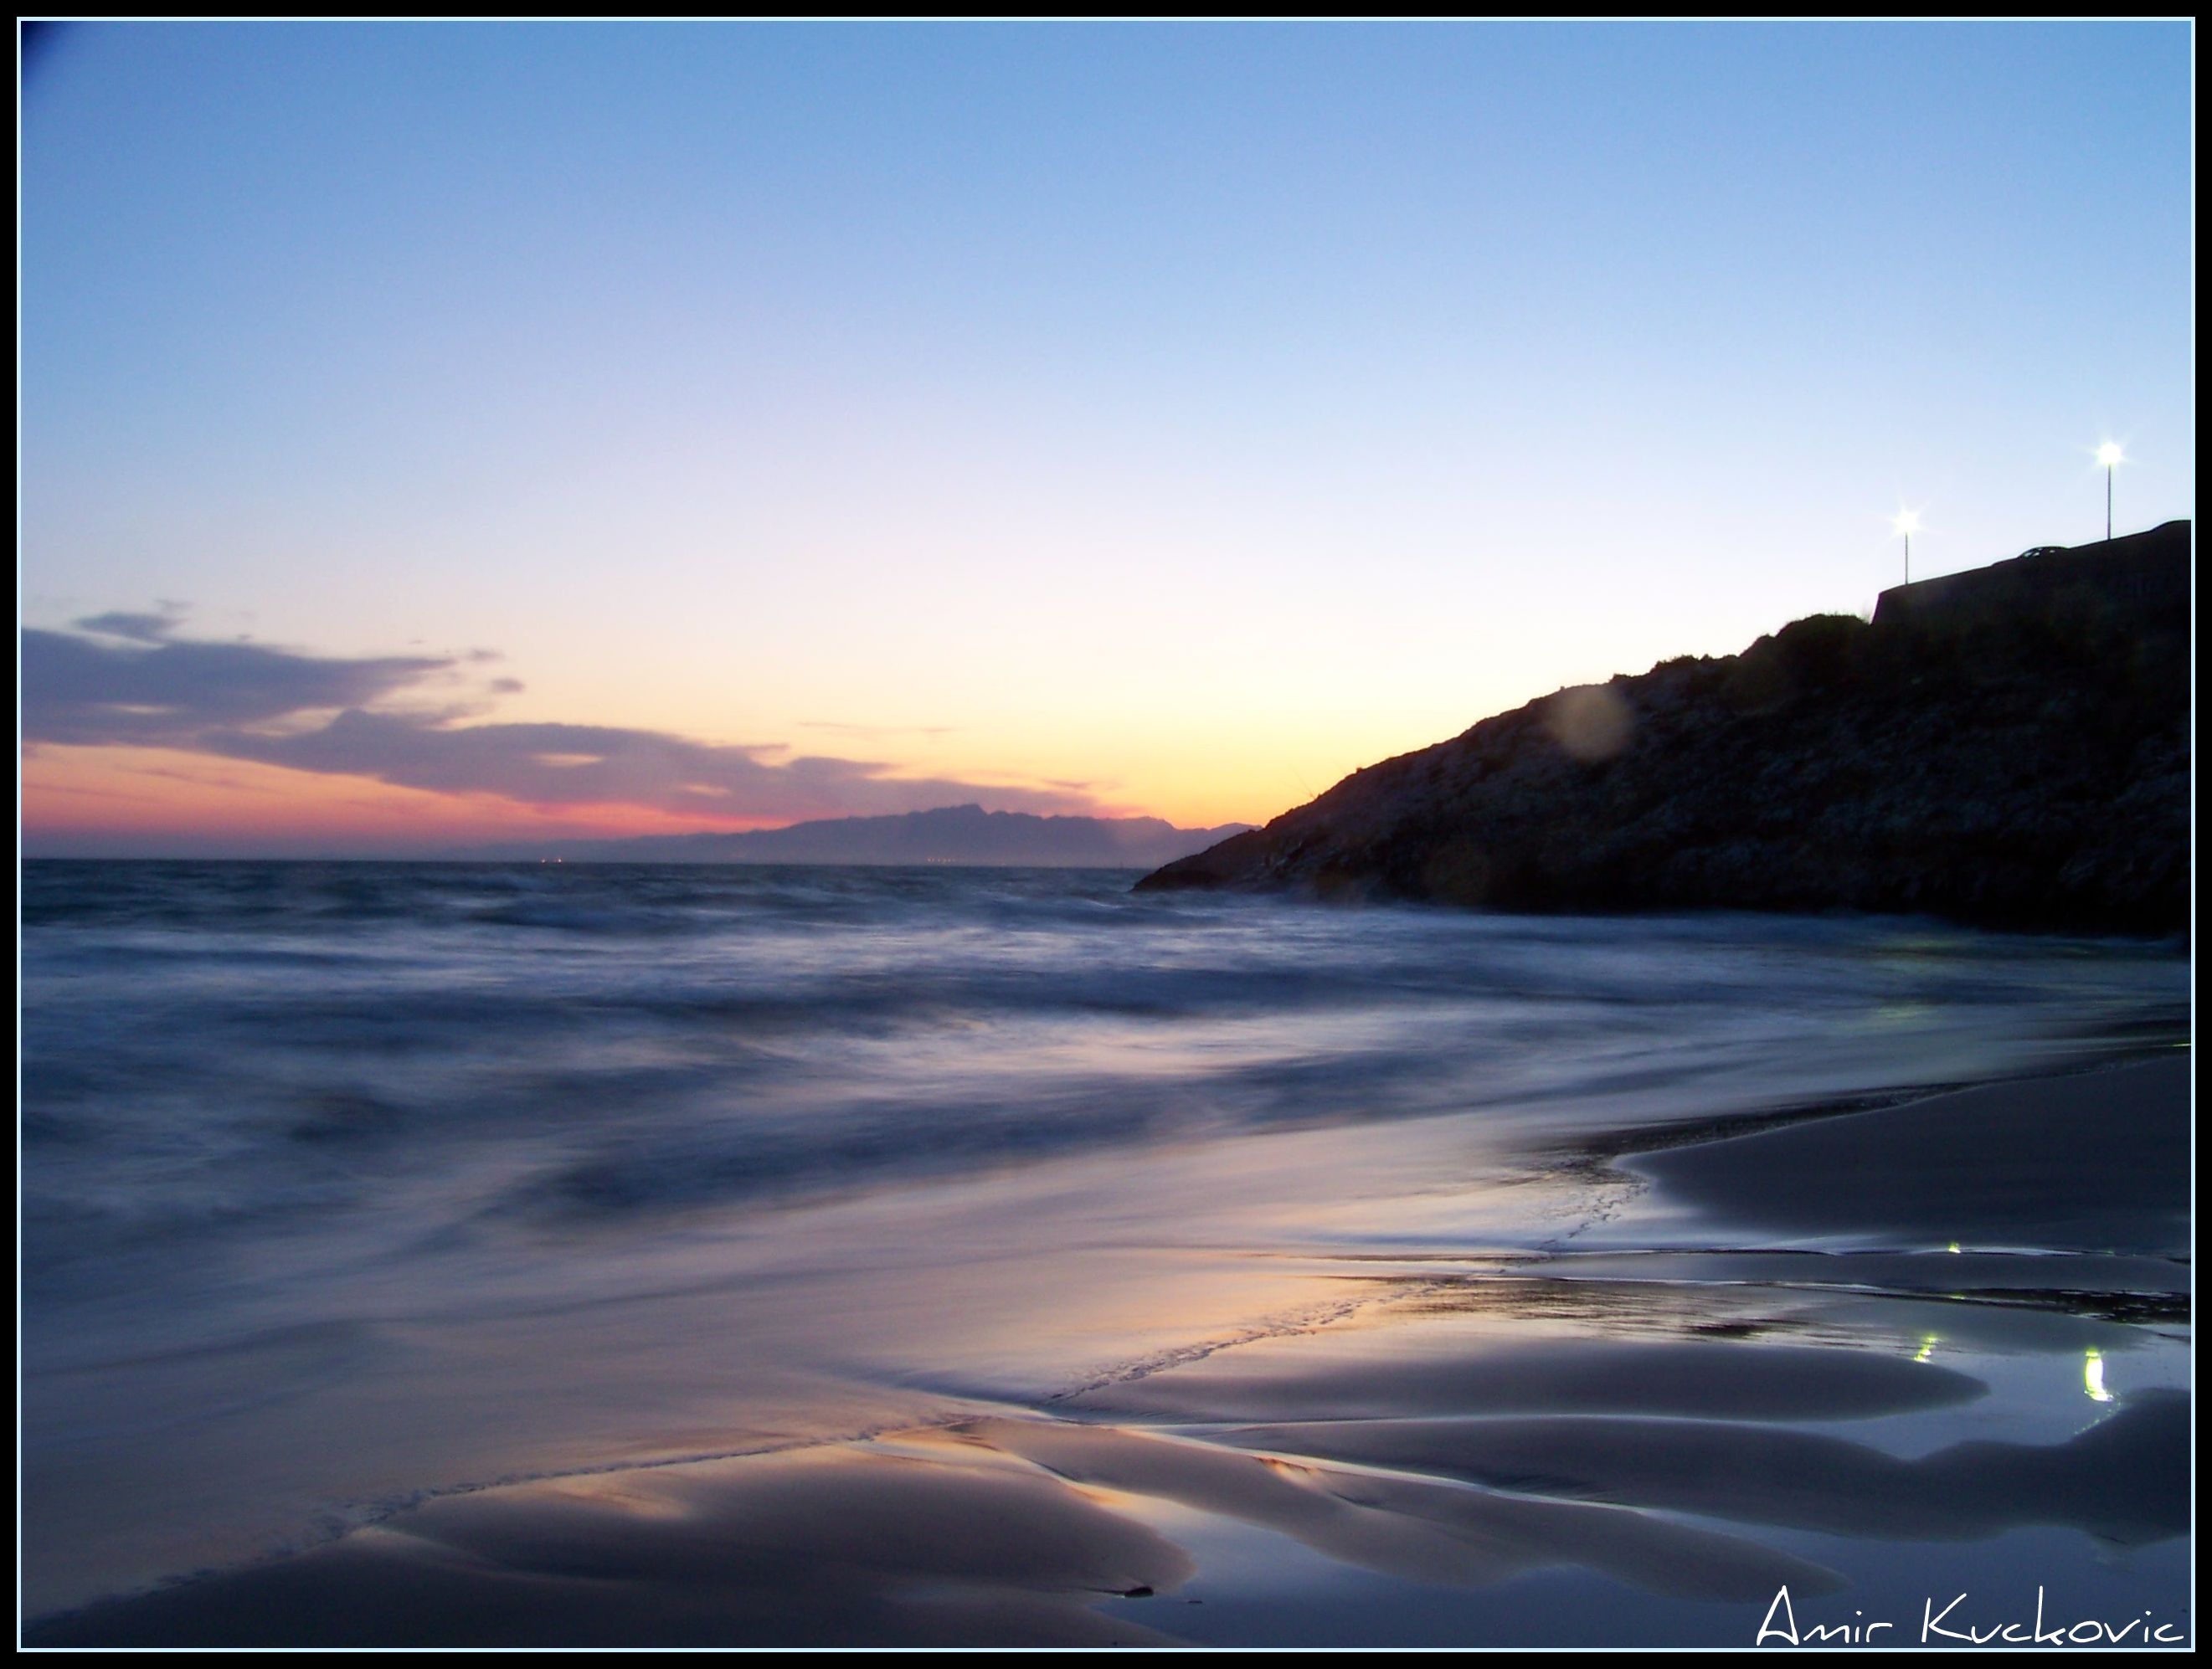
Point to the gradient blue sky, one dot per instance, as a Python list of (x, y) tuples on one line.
[(1155, 418)]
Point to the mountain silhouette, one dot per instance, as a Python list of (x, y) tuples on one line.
[(948, 835)]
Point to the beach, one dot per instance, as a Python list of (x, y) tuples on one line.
[(1343, 1277), (978, 834)]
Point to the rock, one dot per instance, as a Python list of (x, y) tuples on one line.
[(2009, 747)]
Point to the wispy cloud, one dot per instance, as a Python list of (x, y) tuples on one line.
[(138, 684), (156, 690), (877, 730), (139, 627), (555, 764)]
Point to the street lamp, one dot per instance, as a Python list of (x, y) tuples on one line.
[(2108, 455), (1906, 523)]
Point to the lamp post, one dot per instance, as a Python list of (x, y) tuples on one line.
[(1906, 523), (2109, 454)]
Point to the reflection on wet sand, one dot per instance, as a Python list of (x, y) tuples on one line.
[(995, 1530), (1420, 1528), (1502, 1375), (842, 1544), (1006, 1528), (1652, 1419), (2124, 1480)]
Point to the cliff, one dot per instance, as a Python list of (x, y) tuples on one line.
[(2008, 746)]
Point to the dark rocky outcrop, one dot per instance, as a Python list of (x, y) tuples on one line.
[(2009, 746)]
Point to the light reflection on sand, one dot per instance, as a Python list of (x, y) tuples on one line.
[(1684, 1431)]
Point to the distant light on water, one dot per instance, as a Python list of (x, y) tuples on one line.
[(2093, 1376)]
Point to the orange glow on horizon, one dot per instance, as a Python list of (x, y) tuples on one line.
[(109, 798), (103, 797), (72, 794)]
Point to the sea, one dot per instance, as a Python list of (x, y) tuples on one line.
[(347, 1185)]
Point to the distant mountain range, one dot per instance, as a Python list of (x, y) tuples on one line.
[(950, 835)]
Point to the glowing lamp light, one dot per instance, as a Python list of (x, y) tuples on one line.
[(1904, 524), (2109, 454)]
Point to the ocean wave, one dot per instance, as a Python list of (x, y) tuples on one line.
[(230, 1044)]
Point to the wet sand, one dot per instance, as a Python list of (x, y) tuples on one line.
[(2097, 1163), (1929, 1348)]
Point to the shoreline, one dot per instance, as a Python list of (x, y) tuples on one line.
[(1482, 1437)]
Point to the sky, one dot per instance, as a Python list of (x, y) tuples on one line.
[(435, 433)]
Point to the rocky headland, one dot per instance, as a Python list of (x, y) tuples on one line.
[(2009, 746)]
